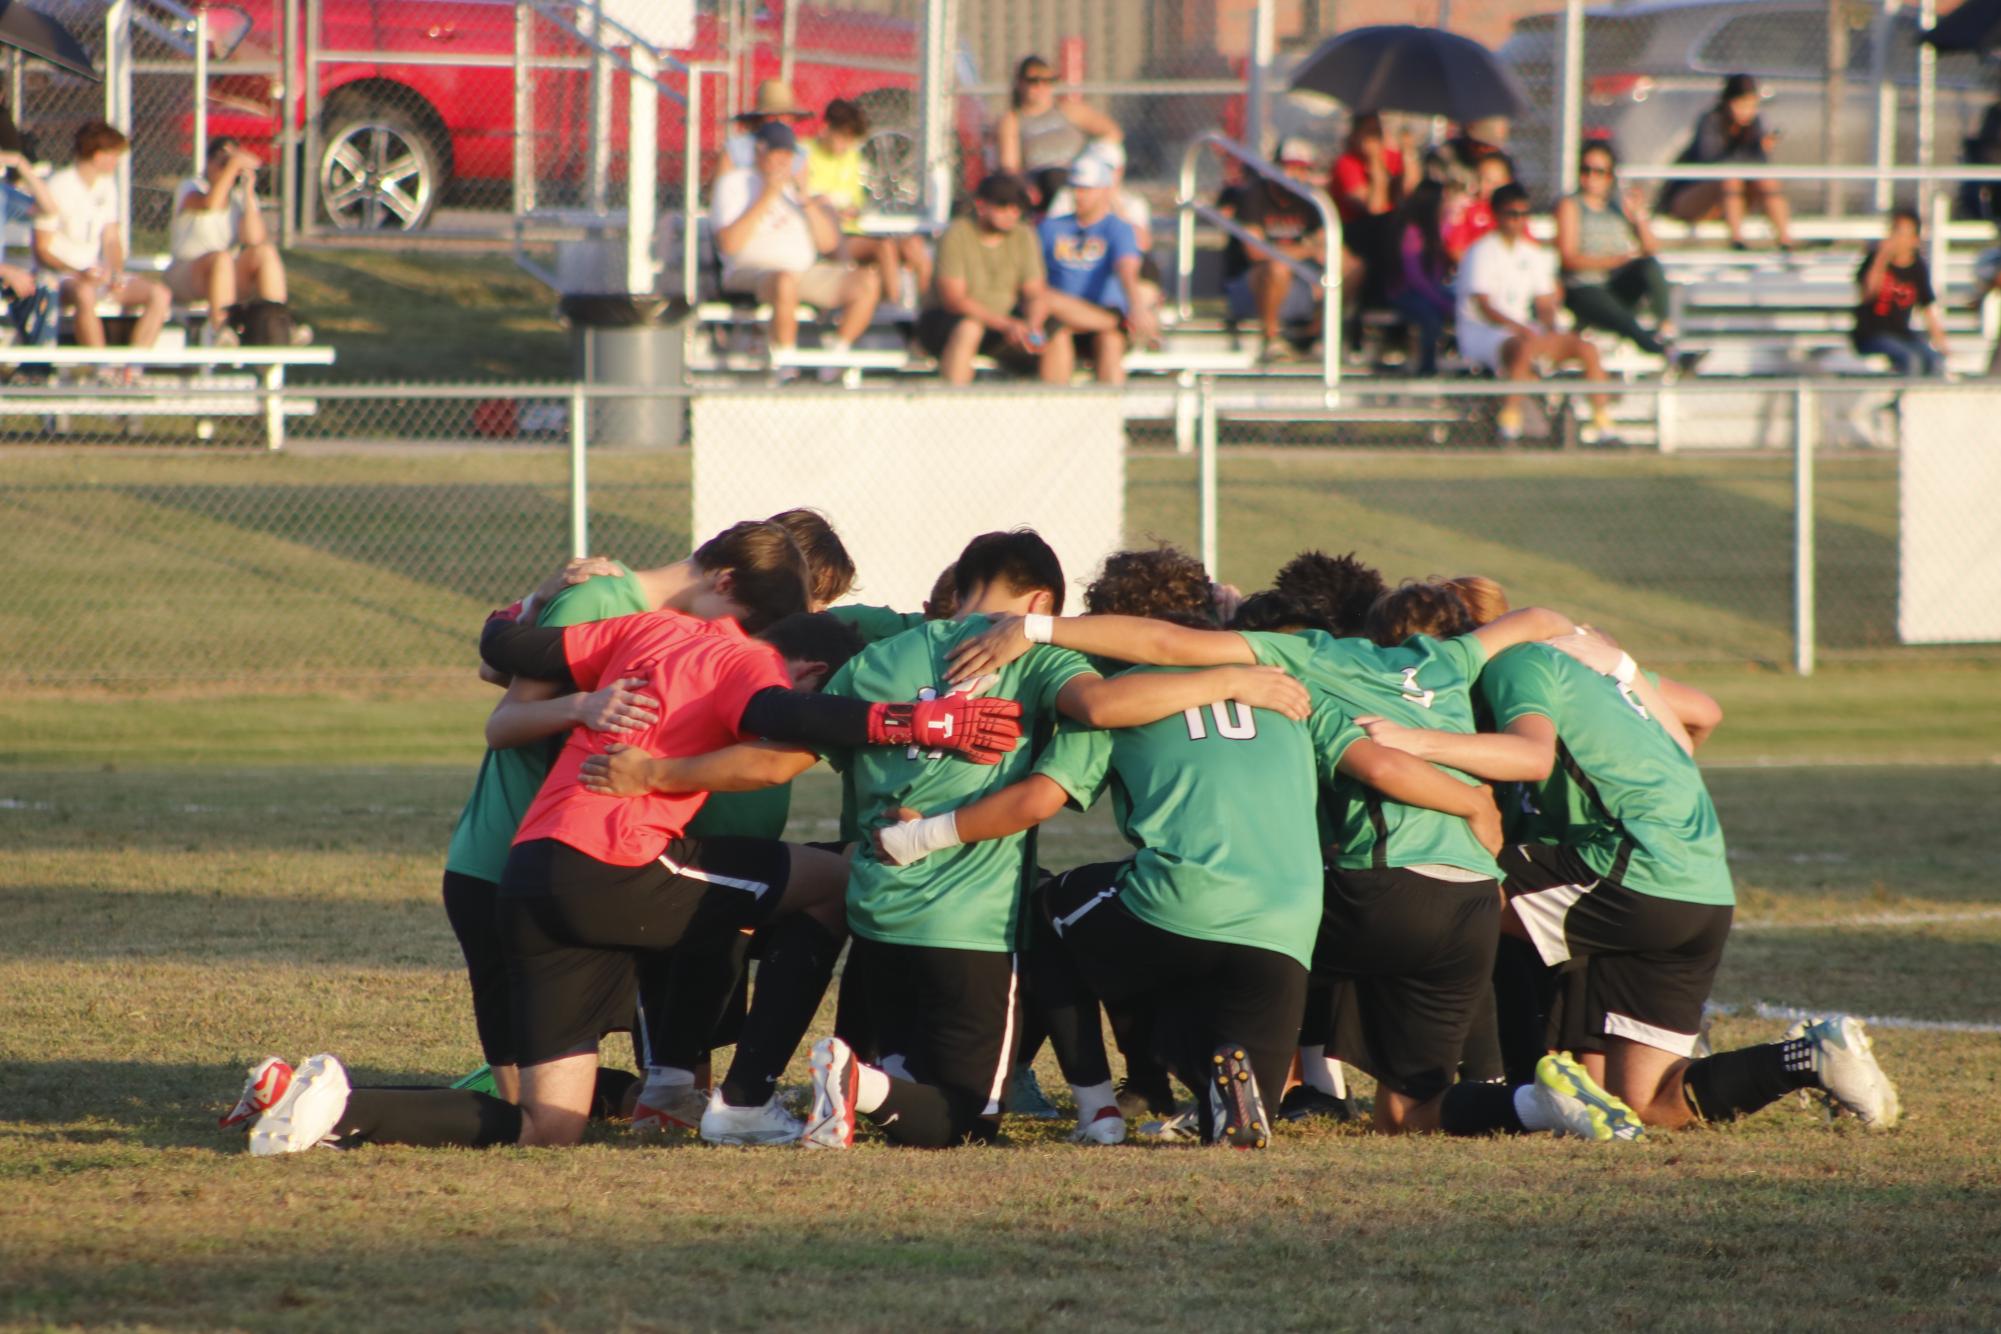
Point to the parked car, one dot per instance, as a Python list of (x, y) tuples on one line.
[(1652, 68)]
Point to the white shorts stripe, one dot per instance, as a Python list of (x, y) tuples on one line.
[(757, 887), (1661, 1039), (1006, 1065), (1068, 920), (1542, 915)]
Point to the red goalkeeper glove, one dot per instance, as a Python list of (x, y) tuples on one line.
[(981, 729)]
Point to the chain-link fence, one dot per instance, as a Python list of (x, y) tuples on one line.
[(365, 554)]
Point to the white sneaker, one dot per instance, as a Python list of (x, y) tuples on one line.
[(269, 1079), (669, 1108), (1107, 1127), (768, 1123), (1581, 1108), (1847, 1069), (830, 1124), (305, 1116)]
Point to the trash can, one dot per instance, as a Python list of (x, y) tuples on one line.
[(620, 339)]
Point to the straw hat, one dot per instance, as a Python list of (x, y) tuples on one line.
[(775, 98)]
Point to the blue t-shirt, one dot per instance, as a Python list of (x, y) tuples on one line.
[(1083, 261)]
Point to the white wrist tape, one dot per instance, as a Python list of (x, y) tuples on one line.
[(1037, 628), (1625, 669), (914, 840)]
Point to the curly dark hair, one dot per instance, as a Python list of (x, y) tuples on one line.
[(1419, 607), (1274, 611), (1337, 590), (1164, 583)]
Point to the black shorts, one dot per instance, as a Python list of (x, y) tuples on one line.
[(1650, 962), (1411, 956), (946, 1018), (575, 928), (935, 326), (469, 907), (1204, 992)]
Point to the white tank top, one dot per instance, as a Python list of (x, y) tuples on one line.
[(197, 232)]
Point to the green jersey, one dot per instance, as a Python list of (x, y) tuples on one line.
[(1622, 793), (968, 897), (509, 779), (1220, 803), (759, 814), (1422, 682), (875, 624)]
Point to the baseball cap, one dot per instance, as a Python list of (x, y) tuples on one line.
[(1297, 149), (1091, 172), (776, 134)]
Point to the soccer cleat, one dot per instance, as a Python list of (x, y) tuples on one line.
[(269, 1079), (1847, 1070), (1508, 425), (1025, 1097), (767, 1123), (830, 1124), (1107, 1127), (1237, 1113), (1137, 1099), (1305, 1102), (1581, 1108), (1184, 1127), (669, 1108), (305, 1117)]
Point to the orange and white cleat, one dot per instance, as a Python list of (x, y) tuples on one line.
[(269, 1079)]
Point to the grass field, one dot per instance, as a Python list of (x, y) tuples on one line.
[(189, 884)]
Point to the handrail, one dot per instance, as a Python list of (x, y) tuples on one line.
[(1774, 171), (1187, 207)]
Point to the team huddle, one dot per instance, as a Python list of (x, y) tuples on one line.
[(1463, 848)]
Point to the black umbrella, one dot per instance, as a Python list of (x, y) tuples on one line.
[(42, 37), (1974, 26), (1398, 67)]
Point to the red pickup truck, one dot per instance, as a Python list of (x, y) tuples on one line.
[(397, 137)]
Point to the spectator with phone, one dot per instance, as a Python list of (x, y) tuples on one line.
[(1895, 281), (1732, 131), (221, 248)]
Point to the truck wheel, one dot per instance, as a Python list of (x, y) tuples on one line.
[(892, 158), (380, 167)]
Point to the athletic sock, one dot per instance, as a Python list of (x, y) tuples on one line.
[(1485, 1109), (666, 1077), (1317, 1071), (798, 961), (613, 1087), (1731, 1084), (871, 1088), (1092, 1099), (428, 1118)]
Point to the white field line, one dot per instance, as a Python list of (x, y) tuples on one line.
[(1766, 1010), (1851, 762), (1865, 920)]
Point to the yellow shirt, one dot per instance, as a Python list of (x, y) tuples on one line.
[(837, 177)]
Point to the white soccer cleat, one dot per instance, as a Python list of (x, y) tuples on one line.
[(1107, 1127), (669, 1108), (767, 1123), (1573, 1099), (269, 1079), (1236, 1108), (1184, 1127), (830, 1124), (1847, 1070), (305, 1116)]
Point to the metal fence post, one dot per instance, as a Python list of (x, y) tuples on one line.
[(1805, 405), (290, 74), (1264, 46), (1206, 472), (580, 493), (1570, 88), (201, 91)]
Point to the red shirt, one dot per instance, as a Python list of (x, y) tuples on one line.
[(1473, 222), (1351, 178), (701, 674)]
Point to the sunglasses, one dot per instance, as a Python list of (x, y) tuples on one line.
[(1592, 169), (1512, 213), (1038, 78)]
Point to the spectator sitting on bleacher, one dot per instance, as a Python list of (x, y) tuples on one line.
[(219, 243), (1507, 313), (991, 297), (30, 305), (1093, 262), (1731, 131), (1607, 252), (775, 102), (1423, 292), (1128, 204), (1473, 218), (834, 178), (1257, 279), (778, 248), (83, 242), (1039, 136), (1370, 179), (1895, 280)]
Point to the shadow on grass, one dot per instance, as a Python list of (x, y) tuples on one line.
[(52, 924)]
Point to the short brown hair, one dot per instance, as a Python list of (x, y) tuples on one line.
[(830, 570), (944, 599), (845, 117), (1163, 583), (814, 636), (1485, 599), (1416, 607), (94, 136), (767, 573)]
